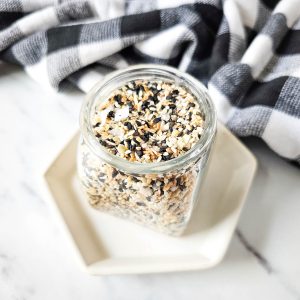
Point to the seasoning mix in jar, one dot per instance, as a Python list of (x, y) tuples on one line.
[(146, 135)]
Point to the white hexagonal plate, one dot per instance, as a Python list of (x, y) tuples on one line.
[(108, 245)]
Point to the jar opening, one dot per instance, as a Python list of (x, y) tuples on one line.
[(103, 89)]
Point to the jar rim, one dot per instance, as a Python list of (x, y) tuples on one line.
[(153, 167)]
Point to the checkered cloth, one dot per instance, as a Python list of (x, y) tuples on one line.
[(246, 51)]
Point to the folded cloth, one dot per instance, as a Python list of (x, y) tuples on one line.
[(246, 52)]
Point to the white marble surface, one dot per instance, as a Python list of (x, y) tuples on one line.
[(263, 260)]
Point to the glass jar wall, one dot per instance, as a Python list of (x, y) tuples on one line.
[(160, 195)]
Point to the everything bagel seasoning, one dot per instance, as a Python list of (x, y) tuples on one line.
[(148, 121), (144, 121)]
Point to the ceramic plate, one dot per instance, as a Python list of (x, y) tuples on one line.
[(108, 245)]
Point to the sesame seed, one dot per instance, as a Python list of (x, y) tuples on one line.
[(111, 114), (114, 173), (118, 99), (128, 125), (156, 120), (139, 153)]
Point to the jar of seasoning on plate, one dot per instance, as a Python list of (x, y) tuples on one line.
[(146, 135)]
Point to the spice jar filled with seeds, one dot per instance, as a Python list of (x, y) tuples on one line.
[(146, 135)]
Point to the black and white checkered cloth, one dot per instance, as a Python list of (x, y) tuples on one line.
[(246, 51)]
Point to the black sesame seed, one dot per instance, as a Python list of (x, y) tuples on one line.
[(118, 99), (96, 125), (162, 150), (103, 143), (166, 157), (114, 173), (172, 106), (191, 104), (111, 114), (128, 141), (175, 92), (147, 124), (135, 179), (145, 105), (128, 88), (145, 137), (110, 146), (138, 123), (139, 153), (139, 88), (128, 125), (155, 100), (156, 120), (182, 187), (140, 204), (133, 83), (135, 140)]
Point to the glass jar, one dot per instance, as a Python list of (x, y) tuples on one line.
[(160, 195)]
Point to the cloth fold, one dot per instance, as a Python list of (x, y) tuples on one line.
[(246, 52)]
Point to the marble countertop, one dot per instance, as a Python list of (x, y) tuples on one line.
[(262, 262)]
